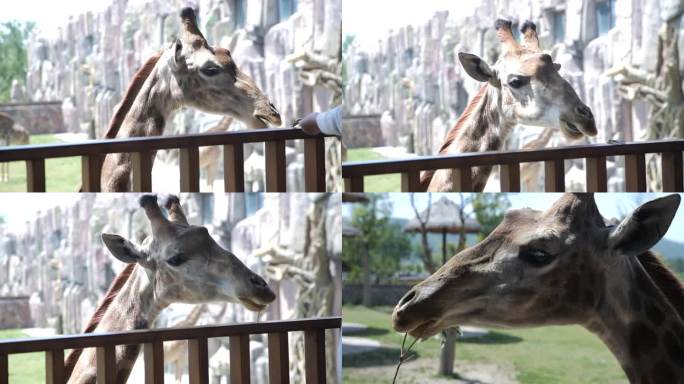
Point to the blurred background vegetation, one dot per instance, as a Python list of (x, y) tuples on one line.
[(13, 38)]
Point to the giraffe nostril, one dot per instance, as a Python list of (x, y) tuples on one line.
[(258, 281), (407, 298), (584, 111)]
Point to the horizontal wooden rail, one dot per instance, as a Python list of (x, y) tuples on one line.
[(153, 350), (91, 153), (553, 159)]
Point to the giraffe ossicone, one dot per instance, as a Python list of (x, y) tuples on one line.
[(566, 266), (177, 263), (523, 87)]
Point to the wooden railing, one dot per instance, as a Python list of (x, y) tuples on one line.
[(198, 359), (554, 167), (142, 149)]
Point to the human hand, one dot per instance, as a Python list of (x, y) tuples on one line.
[(308, 124)]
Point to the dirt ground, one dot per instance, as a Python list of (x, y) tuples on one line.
[(423, 371)]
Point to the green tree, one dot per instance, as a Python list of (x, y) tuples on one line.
[(384, 240), (13, 37), (489, 209)]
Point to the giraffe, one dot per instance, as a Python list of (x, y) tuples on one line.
[(179, 262), (209, 156), (188, 73), (565, 266), (530, 172), (523, 87), (11, 133)]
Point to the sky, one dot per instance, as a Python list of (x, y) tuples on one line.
[(611, 205), (370, 20), (50, 14)]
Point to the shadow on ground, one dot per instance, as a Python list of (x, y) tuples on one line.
[(491, 338), (368, 332), (377, 357)]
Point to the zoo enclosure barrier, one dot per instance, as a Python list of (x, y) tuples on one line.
[(198, 359), (554, 167), (142, 150)]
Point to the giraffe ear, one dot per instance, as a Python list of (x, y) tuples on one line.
[(178, 57), (477, 68), (122, 249), (644, 227)]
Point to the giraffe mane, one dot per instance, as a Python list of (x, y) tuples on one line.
[(426, 176), (665, 280), (112, 292), (130, 95)]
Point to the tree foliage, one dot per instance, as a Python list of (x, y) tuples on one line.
[(384, 240), (489, 209), (13, 36)]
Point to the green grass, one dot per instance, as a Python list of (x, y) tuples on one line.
[(558, 354), (62, 174), (24, 368), (380, 183)]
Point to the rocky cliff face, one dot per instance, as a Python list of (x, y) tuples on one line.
[(414, 80)]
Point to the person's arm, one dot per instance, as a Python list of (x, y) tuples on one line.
[(329, 122)]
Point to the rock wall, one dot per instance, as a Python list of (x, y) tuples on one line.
[(414, 79), (37, 118), (15, 312)]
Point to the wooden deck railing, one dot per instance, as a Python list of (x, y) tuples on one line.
[(554, 167), (198, 359), (142, 148)]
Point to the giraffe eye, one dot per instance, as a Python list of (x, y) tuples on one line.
[(176, 260), (517, 81), (535, 257), (210, 70)]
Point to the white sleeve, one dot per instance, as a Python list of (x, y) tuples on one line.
[(330, 122)]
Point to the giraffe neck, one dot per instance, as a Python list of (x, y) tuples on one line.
[(640, 326), (158, 98), (133, 308), (480, 128)]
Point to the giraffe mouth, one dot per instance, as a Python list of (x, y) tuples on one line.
[(252, 305), (570, 129), (425, 330)]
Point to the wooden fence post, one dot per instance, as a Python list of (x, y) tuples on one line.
[(106, 364), (554, 175), (635, 173), (410, 181), (314, 356), (141, 171), (672, 172), (198, 361), (278, 358), (35, 175), (54, 366), (239, 359), (189, 169), (233, 168), (91, 167), (597, 180), (314, 164), (154, 362), (510, 177), (275, 166)]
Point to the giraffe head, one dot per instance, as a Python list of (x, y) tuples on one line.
[(536, 268), (210, 80), (531, 90), (186, 265)]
